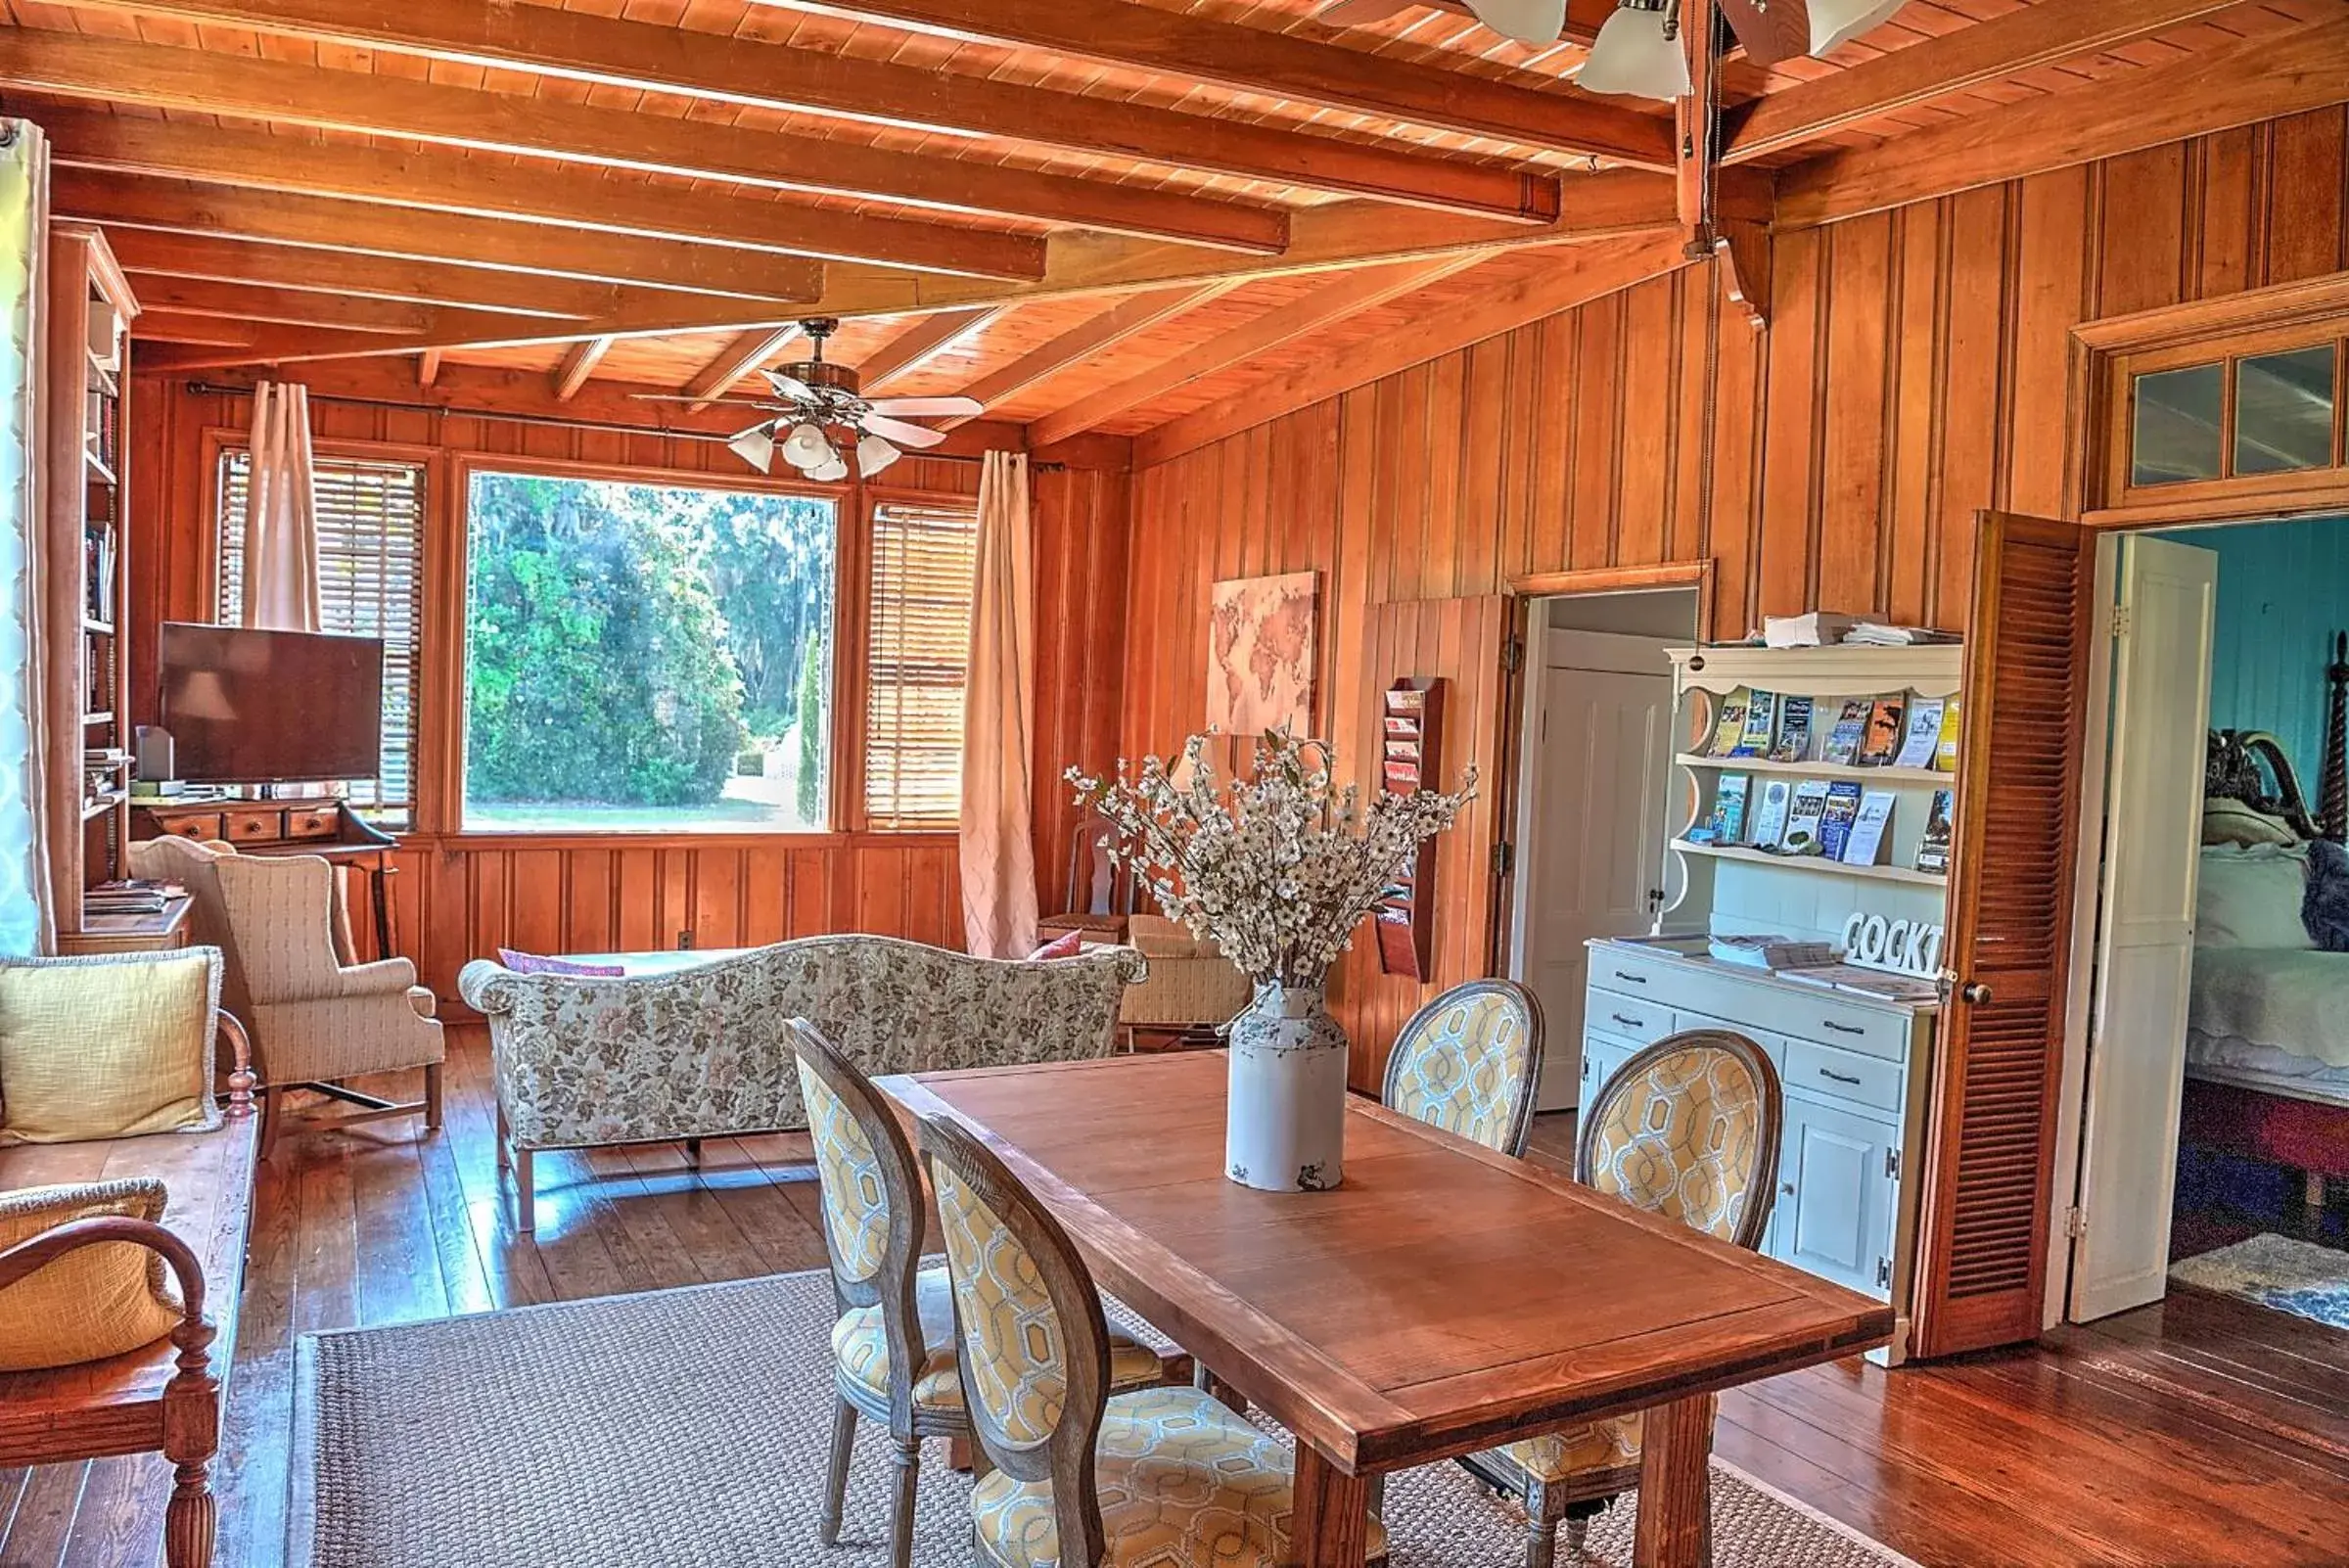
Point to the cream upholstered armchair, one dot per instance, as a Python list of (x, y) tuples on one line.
[(1470, 1062), (315, 1020), (1688, 1130)]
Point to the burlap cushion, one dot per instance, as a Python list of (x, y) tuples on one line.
[(107, 1048), (93, 1302)]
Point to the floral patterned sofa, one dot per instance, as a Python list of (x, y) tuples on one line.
[(582, 1062)]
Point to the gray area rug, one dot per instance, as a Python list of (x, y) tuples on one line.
[(690, 1427), (2284, 1272)]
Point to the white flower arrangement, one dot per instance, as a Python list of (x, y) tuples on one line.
[(1276, 869)]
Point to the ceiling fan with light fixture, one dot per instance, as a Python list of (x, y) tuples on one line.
[(1636, 49), (819, 418)]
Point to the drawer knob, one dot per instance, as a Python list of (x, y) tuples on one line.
[(1834, 1077), (1785, 1189)]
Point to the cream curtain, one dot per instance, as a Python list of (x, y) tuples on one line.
[(999, 853), (281, 514), (27, 922)]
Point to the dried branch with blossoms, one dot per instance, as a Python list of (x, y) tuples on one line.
[(1276, 869)]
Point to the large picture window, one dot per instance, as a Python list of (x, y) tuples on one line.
[(370, 584), (645, 657)]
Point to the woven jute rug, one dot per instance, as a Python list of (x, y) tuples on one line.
[(691, 1427)]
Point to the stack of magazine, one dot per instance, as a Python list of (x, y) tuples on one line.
[(1770, 953)]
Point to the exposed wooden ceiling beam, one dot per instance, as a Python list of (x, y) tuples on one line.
[(368, 229), (1300, 70), (2258, 79), (284, 307), (578, 365), (475, 120), (656, 57), (398, 279), (1102, 332), (1347, 296), (209, 332), (428, 368), (2037, 36), (747, 352), (919, 344), (1582, 274), (158, 78), (536, 192)]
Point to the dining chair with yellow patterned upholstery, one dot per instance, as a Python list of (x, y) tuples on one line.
[(1470, 1062), (892, 1344), (1688, 1130), (1075, 1473)]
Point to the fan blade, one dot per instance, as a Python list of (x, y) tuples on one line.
[(1360, 13), (904, 435), (1531, 22), (680, 398), (927, 407), (1771, 30), (790, 387)]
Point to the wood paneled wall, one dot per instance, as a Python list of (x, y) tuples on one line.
[(460, 897), (1916, 369)]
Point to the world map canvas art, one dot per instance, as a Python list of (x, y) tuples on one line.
[(1259, 654)]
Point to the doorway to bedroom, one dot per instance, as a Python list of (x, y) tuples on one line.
[(2213, 927)]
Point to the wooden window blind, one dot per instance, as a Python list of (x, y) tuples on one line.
[(370, 584), (924, 566)]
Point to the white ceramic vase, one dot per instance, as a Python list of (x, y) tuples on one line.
[(1284, 1128)]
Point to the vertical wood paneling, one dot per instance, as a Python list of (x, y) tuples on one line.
[(1915, 370)]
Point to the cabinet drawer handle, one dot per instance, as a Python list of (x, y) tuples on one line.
[(1785, 1189), (1628, 1023), (1637, 980), (1829, 1074), (1844, 1029)]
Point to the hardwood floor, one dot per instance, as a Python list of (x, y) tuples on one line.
[(2202, 1430)]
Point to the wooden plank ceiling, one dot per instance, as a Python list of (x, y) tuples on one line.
[(1093, 215)]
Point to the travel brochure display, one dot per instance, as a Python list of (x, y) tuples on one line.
[(1894, 730), (1933, 850)]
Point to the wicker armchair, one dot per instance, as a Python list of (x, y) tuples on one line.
[(316, 1021)]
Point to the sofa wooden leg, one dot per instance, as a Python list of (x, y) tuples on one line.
[(504, 1141), (192, 1518), (273, 1119), (432, 1099), (525, 1197)]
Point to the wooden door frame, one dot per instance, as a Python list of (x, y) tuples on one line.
[(2097, 347)]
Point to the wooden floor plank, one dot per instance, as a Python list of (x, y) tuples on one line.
[(2207, 1430)]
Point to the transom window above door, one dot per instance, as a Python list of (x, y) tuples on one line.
[(2253, 414)]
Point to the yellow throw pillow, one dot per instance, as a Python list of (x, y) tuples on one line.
[(93, 1302), (107, 1048)]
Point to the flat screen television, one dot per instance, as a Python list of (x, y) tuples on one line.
[(248, 707)]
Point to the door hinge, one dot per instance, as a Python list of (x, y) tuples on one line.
[(1512, 655), (2075, 1222), (1892, 1165), (2123, 621), (1504, 858), (1883, 1273)]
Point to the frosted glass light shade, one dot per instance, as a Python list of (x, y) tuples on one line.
[(757, 447), (1632, 55), (830, 469), (806, 447), (873, 454), (1531, 22), (1834, 21)]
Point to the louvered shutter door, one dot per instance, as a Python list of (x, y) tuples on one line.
[(1983, 1221), (370, 584), (924, 563)]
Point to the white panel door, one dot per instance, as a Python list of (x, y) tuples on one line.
[(1594, 835), (2146, 925)]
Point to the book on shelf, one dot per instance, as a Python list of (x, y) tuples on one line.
[(1761, 725), (1883, 739), (1865, 845), (1793, 744), (1771, 952), (1945, 748), (1729, 807), (1729, 723), (1817, 629), (1850, 732), (1933, 850), (1925, 733), (1771, 811), (1836, 818), (1802, 822)]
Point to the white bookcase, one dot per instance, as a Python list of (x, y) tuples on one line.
[(1854, 1067)]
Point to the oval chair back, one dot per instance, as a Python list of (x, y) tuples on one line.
[(1689, 1128), (872, 1203), (1033, 1343), (1470, 1062)]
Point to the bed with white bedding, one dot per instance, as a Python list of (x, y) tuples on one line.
[(2271, 1020)]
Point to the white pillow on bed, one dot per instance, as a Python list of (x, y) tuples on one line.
[(2250, 897)]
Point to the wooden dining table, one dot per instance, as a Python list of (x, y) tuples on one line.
[(1445, 1299)]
